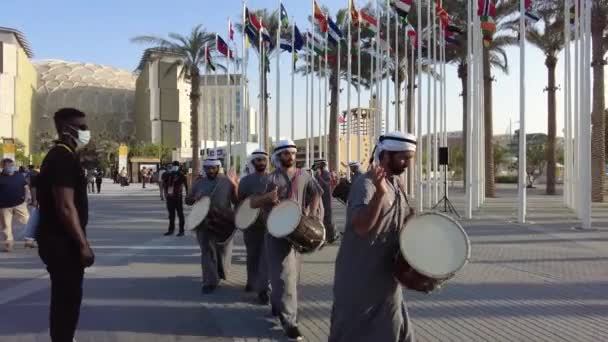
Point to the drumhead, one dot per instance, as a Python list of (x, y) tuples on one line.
[(434, 245), (284, 218), (245, 215), (198, 213)]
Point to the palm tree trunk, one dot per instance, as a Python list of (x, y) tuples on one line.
[(598, 156), (462, 74), (195, 97), (488, 131), (334, 90), (551, 62)]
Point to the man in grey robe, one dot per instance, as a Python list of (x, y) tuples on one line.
[(253, 184), (368, 300), (355, 171), (216, 254), (323, 177), (287, 182)]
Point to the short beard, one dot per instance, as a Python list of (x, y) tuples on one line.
[(287, 163)]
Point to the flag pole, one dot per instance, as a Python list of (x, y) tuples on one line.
[(435, 136), (521, 213), (205, 96), (325, 130), (229, 118), (429, 152), (278, 90), (320, 103), (406, 79), (420, 192), (216, 110), (244, 97), (359, 113), (309, 65), (348, 115), (388, 80), (567, 99), (586, 123), (398, 123), (293, 72), (339, 147), (576, 135)]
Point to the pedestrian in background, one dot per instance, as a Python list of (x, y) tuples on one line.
[(161, 174), (12, 201), (123, 177), (98, 179), (91, 180), (64, 214), (174, 189)]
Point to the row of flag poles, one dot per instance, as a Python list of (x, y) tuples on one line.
[(321, 47)]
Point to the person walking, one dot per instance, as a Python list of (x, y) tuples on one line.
[(174, 186), (144, 177), (98, 179), (64, 214), (123, 177), (161, 175), (323, 177), (12, 201), (91, 180)]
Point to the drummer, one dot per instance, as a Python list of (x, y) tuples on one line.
[(323, 177), (215, 255), (355, 171), (368, 303), (287, 182), (255, 184)]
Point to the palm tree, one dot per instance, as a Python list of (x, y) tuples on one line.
[(270, 20), (599, 27), (550, 41), (191, 48), (493, 56)]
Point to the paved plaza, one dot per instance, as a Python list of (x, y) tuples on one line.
[(543, 281)]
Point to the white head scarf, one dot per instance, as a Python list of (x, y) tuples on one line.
[(394, 142), (282, 145), (354, 163), (212, 162)]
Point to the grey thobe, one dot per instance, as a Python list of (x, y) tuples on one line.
[(356, 175), (283, 260), (257, 269), (325, 182), (368, 300), (216, 256)]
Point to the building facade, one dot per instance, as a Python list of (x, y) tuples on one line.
[(18, 80)]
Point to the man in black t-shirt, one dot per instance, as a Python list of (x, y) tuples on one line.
[(61, 235), (174, 183)]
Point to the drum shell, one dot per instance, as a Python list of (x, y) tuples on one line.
[(220, 222), (309, 236)]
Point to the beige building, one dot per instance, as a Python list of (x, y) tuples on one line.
[(18, 81), (106, 94), (366, 149)]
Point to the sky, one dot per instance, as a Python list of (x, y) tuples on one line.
[(100, 31)]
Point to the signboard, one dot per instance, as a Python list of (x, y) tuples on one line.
[(123, 153), (8, 150), (219, 153)]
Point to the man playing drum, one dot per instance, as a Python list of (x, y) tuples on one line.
[(287, 182), (368, 303), (323, 177), (216, 255), (255, 184)]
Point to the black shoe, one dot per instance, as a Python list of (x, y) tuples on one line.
[(248, 288), (263, 298), (293, 333), (180, 233), (169, 233), (275, 312), (207, 289)]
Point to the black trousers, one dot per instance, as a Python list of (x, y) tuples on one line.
[(63, 264), (176, 205), (98, 185)]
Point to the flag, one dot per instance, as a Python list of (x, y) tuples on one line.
[(320, 17), (452, 38), (265, 34), (402, 7), (285, 44), (487, 12), (298, 40), (455, 29), (222, 47), (442, 14), (315, 43), (531, 16), (284, 18), (411, 32), (252, 27), (486, 8), (341, 119), (368, 22), (230, 30), (208, 60), (334, 34), (355, 15)]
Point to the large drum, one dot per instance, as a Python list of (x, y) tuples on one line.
[(199, 212), (306, 234), (246, 215), (432, 248), (342, 190)]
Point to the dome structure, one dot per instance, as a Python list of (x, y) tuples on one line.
[(106, 94)]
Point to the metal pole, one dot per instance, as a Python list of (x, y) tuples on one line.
[(348, 116), (435, 137), (359, 92), (521, 213), (419, 193), (467, 129), (293, 73), (586, 120)]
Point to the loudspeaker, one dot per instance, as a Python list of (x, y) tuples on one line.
[(443, 156)]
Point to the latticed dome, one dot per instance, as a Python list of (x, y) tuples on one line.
[(105, 94)]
